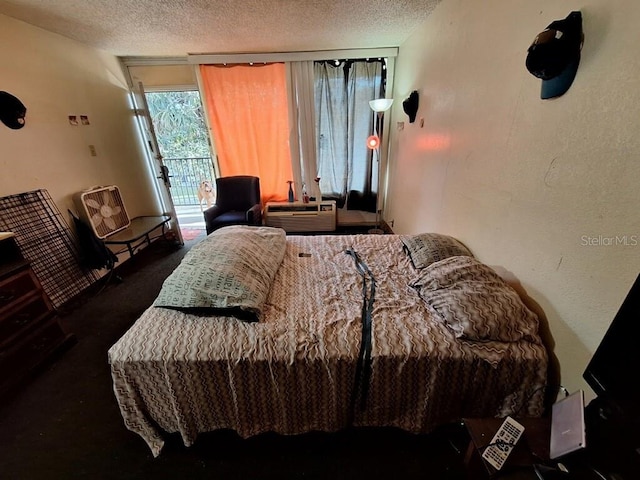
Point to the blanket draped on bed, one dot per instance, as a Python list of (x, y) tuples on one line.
[(363, 368), (293, 371)]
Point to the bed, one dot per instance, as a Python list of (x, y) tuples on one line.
[(290, 364)]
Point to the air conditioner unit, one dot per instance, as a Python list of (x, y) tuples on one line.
[(103, 209), (301, 217)]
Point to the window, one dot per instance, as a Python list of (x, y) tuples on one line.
[(343, 122)]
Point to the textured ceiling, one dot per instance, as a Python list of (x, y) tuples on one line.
[(178, 27)]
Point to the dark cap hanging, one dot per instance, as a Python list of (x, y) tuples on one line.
[(12, 111), (554, 55), (410, 105)]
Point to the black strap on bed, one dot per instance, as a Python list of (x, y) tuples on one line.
[(363, 367)]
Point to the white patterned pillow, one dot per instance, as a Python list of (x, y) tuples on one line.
[(426, 248), (228, 273), (475, 302)]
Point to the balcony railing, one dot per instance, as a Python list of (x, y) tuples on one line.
[(186, 176)]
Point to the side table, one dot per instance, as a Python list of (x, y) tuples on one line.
[(138, 233), (533, 447)]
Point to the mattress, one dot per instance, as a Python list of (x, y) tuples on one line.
[(293, 371)]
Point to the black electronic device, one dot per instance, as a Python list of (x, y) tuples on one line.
[(614, 369), (613, 418)]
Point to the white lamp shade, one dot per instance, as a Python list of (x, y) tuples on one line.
[(381, 104)]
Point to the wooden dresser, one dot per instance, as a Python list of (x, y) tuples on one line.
[(30, 332)]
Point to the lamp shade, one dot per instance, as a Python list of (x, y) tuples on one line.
[(381, 104)]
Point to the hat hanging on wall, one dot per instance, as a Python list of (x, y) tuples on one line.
[(554, 55), (410, 105), (12, 111)]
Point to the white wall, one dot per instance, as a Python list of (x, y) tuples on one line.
[(55, 77), (522, 180)]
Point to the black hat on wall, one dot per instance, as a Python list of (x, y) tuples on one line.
[(12, 111), (410, 105), (554, 55)]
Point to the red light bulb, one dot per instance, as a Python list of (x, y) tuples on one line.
[(373, 142)]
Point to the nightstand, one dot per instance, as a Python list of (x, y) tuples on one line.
[(533, 447)]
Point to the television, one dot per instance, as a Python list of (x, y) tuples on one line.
[(614, 370)]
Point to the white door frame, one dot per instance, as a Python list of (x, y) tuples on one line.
[(162, 179)]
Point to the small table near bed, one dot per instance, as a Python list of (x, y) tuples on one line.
[(532, 448), (138, 233)]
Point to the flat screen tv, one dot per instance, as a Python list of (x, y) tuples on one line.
[(614, 369)]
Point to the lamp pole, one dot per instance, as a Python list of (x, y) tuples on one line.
[(379, 106)]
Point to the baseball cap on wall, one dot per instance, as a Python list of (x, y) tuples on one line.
[(554, 55), (12, 111)]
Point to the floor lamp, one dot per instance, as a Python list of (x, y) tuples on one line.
[(379, 106)]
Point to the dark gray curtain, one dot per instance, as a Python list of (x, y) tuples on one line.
[(344, 120)]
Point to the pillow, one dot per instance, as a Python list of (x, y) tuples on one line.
[(228, 273), (427, 248), (475, 302)]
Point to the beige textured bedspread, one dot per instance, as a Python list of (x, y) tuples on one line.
[(293, 371)]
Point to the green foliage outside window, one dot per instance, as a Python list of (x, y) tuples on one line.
[(178, 120), (179, 123)]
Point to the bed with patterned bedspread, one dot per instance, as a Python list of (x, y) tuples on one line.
[(275, 347)]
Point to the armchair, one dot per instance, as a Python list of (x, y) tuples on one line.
[(237, 203)]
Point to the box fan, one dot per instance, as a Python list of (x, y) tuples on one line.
[(103, 209)]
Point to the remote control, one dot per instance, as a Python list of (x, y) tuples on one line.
[(502, 443)]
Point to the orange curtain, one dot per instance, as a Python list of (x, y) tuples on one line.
[(248, 112)]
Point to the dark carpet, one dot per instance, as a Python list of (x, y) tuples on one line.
[(64, 423)]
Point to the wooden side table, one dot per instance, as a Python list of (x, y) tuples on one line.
[(533, 446)]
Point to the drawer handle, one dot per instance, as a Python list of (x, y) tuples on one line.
[(22, 319), (41, 344), (7, 295)]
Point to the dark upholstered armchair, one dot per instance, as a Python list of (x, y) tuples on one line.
[(237, 203)]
